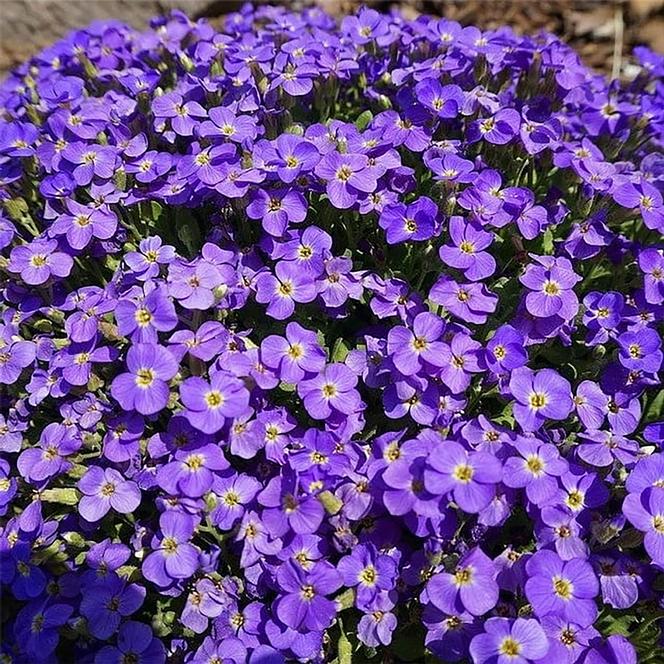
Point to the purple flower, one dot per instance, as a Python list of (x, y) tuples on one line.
[(539, 395), (443, 100), (498, 129), (281, 290), (37, 261), (179, 113), (172, 557), (37, 625), (288, 509), (410, 349), (646, 512), (471, 587), (550, 285), (346, 177), (292, 156), (602, 448), (107, 602), (14, 357), (651, 263), (646, 197), (331, 390), (460, 358), (135, 642), (304, 601), (505, 350), (369, 572), (564, 589), (471, 302), (277, 209), (145, 263), (227, 125), (85, 223), (48, 459), (209, 404), (233, 495), (142, 318), (505, 640), (106, 488), (294, 356), (193, 285), (377, 625), (535, 468), (144, 387), (640, 350), (90, 160), (192, 471), (469, 478), (416, 221), (467, 251)]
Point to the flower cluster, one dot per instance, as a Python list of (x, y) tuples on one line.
[(329, 342)]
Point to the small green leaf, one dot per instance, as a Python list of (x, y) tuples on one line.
[(330, 502), (363, 120), (188, 231), (339, 351), (346, 599), (344, 650), (64, 496)]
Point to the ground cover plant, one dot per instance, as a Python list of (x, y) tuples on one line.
[(330, 342)]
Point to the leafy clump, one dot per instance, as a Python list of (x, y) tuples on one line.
[(330, 343)]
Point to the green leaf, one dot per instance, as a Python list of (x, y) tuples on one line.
[(155, 210), (339, 351), (64, 496), (655, 409), (363, 119), (346, 599), (188, 231), (330, 502), (344, 650)]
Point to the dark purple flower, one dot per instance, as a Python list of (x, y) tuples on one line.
[(416, 221), (304, 601)]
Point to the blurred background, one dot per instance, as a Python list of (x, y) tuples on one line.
[(602, 31)]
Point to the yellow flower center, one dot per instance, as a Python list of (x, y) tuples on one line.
[(214, 399), (537, 400), (194, 462), (463, 473), (535, 464), (144, 377), (510, 647), (551, 288), (463, 576), (563, 588), (329, 390), (143, 317), (108, 489), (368, 576)]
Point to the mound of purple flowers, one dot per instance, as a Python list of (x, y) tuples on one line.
[(330, 342)]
